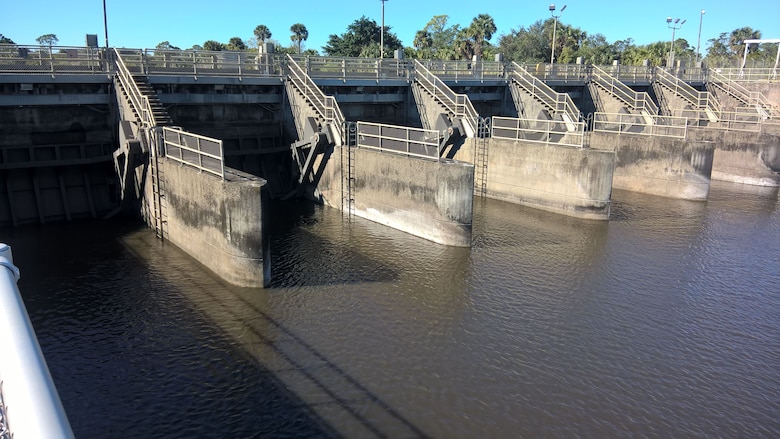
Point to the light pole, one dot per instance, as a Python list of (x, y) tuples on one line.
[(698, 41), (673, 25), (555, 27), (382, 32), (105, 22)]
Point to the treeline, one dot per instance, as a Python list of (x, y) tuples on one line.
[(533, 44)]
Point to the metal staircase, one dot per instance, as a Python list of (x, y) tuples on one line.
[(458, 107), (752, 99), (557, 104), (700, 101), (636, 101)]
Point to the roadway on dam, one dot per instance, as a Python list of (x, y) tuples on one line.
[(661, 322)]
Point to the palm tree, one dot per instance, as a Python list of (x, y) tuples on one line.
[(481, 29), (299, 34), (262, 33), (737, 37)]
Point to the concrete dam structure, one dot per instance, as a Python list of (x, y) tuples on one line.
[(197, 143)]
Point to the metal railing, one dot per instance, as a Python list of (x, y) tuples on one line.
[(737, 90), (31, 407), (54, 60), (458, 105), (743, 120), (460, 70), (629, 73), (203, 153), (698, 99), (621, 123), (353, 68), (412, 142), (552, 132), (123, 72), (558, 72), (234, 64), (748, 75), (325, 106), (558, 103), (638, 101), (13, 157)]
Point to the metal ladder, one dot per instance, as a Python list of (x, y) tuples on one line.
[(481, 159), (348, 171), (159, 217)]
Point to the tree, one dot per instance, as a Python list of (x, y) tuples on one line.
[(442, 37), (47, 40), (262, 33), (737, 38), (423, 43), (236, 43), (299, 34), (213, 45), (5, 40), (361, 34), (526, 45), (165, 45), (480, 30)]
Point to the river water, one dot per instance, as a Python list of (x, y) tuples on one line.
[(662, 322)]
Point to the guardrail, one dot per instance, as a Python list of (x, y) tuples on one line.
[(203, 153), (621, 123), (558, 72), (635, 100), (551, 132), (211, 63), (51, 60), (459, 105), (461, 70), (123, 71), (412, 142), (353, 68), (559, 103), (699, 99), (31, 407), (733, 88), (748, 75), (325, 106), (742, 121)]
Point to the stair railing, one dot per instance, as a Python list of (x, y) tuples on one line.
[(751, 98), (457, 104), (558, 103), (325, 106), (139, 101), (700, 100), (635, 100)]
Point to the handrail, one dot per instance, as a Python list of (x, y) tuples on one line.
[(552, 132), (749, 121), (203, 153), (698, 99), (325, 106), (345, 68), (558, 103), (635, 100), (458, 105), (138, 99), (412, 142), (662, 126), (752, 98), (31, 405)]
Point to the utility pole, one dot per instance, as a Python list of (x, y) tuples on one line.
[(382, 32)]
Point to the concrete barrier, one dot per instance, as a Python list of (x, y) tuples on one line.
[(567, 180), (219, 223), (741, 157), (31, 406), (426, 198), (657, 165)]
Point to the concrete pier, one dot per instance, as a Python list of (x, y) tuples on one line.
[(747, 158)]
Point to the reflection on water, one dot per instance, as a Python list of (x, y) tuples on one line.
[(661, 322)]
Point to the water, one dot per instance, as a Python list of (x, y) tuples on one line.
[(662, 322)]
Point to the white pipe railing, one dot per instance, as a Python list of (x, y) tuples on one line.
[(638, 124), (412, 142), (551, 132), (203, 153), (31, 404)]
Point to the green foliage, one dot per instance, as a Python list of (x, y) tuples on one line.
[(262, 33), (236, 43), (47, 40), (165, 45), (359, 38), (212, 45), (299, 34), (5, 40)]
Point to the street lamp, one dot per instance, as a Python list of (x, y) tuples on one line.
[(698, 41), (105, 22), (673, 25), (555, 26), (382, 32)]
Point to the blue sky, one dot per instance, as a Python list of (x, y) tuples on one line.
[(145, 23)]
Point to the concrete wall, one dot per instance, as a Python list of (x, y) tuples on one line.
[(218, 223), (426, 198), (571, 181), (771, 90), (741, 157), (664, 166)]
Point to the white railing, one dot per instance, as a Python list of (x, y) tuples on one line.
[(234, 64), (31, 407), (458, 105), (53, 61), (639, 101), (558, 103), (325, 106), (743, 120), (203, 153), (698, 99), (737, 90), (749, 75), (461, 70), (621, 123), (558, 72), (412, 142), (139, 101), (538, 130), (353, 68)]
